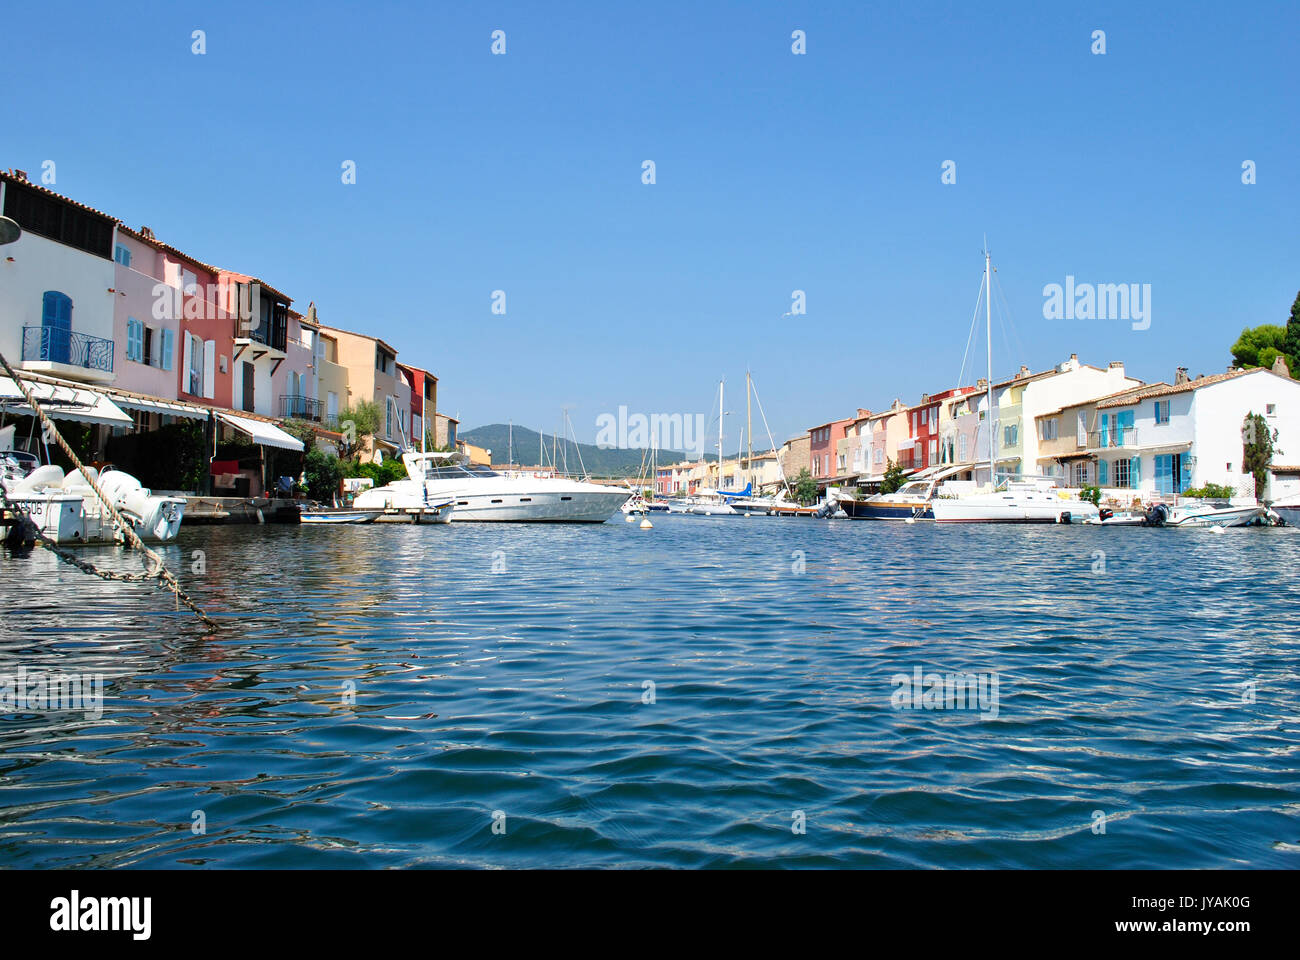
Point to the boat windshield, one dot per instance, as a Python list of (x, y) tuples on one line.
[(434, 470)]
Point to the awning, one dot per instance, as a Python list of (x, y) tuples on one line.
[(167, 407), (263, 433), (63, 402)]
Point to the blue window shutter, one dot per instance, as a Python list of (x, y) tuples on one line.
[(1185, 474), (1103, 473), (1135, 472), (168, 348), (49, 308)]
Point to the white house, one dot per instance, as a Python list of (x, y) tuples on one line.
[(56, 284), (1169, 437)]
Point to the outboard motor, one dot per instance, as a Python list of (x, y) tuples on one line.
[(1064, 517), (1105, 513), (1156, 515)]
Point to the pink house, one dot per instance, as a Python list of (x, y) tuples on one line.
[(823, 447)]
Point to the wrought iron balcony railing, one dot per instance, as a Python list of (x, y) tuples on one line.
[(302, 408), (61, 345), (1105, 439)]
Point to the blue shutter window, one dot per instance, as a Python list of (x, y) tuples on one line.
[(1184, 474), (1124, 421), (168, 348), (122, 255), (1135, 472), (1103, 473), (134, 339)]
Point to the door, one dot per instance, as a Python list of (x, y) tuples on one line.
[(249, 386), (56, 327)]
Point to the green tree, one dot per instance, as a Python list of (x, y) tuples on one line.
[(1260, 346), (1293, 336), (894, 477), (323, 473), (1257, 449), (804, 489), (1090, 494), (358, 421)]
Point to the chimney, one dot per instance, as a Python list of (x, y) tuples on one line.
[(1024, 372), (1116, 365), (146, 232), (981, 384), (925, 398), (862, 413), (1181, 376), (20, 174), (1280, 367)]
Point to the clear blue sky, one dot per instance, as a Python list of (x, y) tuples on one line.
[(775, 172)]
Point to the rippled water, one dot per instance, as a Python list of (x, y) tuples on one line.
[(520, 694)]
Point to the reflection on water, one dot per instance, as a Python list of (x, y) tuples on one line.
[(672, 697)]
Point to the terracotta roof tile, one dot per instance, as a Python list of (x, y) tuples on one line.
[(1168, 390)]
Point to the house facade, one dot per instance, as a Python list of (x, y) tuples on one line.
[(57, 285)]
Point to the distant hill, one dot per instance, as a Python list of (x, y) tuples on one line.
[(600, 463)]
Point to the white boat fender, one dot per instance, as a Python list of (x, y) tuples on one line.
[(646, 524), (629, 518), (1216, 529)]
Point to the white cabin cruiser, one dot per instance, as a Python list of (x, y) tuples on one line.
[(483, 494), (65, 509), (1036, 500)]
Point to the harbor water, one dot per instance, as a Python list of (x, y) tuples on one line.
[(714, 692)]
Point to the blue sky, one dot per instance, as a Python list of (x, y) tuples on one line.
[(775, 173)]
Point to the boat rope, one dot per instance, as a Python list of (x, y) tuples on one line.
[(156, 570)]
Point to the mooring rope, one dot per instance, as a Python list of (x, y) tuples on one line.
[(157, 572)]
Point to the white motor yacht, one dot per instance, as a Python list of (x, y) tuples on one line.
[(1035, 500), (483, 494)]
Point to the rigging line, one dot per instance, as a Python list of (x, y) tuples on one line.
[(780, 470), (577, 447), (970, 337), (1010, 319)]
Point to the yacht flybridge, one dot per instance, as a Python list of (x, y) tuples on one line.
[(483, 494)]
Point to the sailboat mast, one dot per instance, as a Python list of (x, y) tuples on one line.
[(749, 429), (720, 383), (510, 445), (988, 334)]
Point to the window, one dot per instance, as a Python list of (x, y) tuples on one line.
[(194, 365), (1122, 474), (1172, 473), (1080, 473), (880, 455), (1162, 411), (1103, 473), (924, 413), (1270, 409), (934, 450), (134, 340), (1049, 429), (388, 419), (962, 443), (122, 255), (168, 349), (1081, 431), (1009, 435)]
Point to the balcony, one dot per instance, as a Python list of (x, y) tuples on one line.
[(1122, 438), (302, 408), (60, 350)]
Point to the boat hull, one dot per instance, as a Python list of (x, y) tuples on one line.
[(996, 509), (886, 510)]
